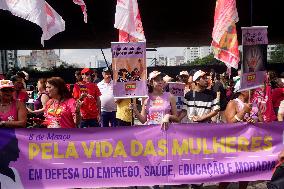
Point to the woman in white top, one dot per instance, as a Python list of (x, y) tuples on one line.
[(280, 115), (240, 110)]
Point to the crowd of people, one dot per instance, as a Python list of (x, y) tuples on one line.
[(208, 98)]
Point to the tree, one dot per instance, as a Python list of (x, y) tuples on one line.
[(207, 60), (277, 56)]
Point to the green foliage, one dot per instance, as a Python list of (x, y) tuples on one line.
[(207, 60), (277, 56)]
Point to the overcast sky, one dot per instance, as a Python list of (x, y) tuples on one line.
[(82, 57)]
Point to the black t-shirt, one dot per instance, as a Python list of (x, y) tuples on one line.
[(218, 87)]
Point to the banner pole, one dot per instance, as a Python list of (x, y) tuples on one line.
[(104, 57), (249, 95), (132, 116), (251, 11)]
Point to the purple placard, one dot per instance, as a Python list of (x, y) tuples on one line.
[(128, 50), (142, 155), (254, 35), (177, 89), (130, 89), (129, 70), (252, 80)]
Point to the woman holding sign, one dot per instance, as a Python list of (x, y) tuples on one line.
[(240, 110), (160, 107)]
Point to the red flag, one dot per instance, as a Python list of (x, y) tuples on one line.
[(128, 21), (83, 6), (225, 42)]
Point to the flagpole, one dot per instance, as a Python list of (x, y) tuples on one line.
[(104, 57), (251, 11)]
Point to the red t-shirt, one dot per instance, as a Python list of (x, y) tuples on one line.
[(89, 108), (277, 97)]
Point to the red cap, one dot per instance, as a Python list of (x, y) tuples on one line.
[(87, 70)]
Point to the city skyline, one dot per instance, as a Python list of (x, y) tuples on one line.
[(83, 57)]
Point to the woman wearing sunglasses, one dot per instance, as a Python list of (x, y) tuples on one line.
[(13, 113)]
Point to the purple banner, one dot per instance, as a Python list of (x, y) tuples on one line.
[(139, 155), (129, 69)]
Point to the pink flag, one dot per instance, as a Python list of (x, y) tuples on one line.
[(83, 6), (128, 21), (225, 42), (262, 97), (38, 12)]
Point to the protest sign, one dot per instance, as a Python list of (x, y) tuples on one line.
[(129, 69), (254, 57), (177, 90)]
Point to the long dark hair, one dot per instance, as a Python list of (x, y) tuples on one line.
[(60, 84)]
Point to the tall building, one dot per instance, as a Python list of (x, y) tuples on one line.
[(24, 61), (192, 53), (162, 61), (176, 61), (101, 64), (43, 59), (8, 60)]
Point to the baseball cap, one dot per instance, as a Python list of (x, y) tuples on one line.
[(167, 78), (6, 84), (183, 73), (87, 70), (106, 69), (153, 74), (198, 74)]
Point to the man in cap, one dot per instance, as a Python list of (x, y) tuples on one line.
[(88, 94), (108, 105), (200, 103)]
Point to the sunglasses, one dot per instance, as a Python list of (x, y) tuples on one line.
[(7, 90)]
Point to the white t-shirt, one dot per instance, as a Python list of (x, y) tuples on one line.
[(281, 107), (8, 183), (107, 99)]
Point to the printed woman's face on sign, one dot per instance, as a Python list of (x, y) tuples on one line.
[(10, 152), (51, 90)]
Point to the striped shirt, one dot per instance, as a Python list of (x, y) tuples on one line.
[(200, 103)]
